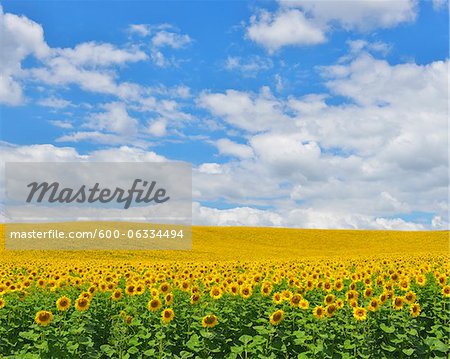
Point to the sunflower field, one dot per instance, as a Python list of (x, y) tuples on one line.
[(232, 298)]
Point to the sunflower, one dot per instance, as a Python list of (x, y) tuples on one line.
[(295, 300), (446, 291), (169, 298), (368, 292), (397, 303), (154, 304), (128, 319), (414, 310), (374, 305), (86, 295), (233, 289), (352, 295), (92, 289), (266, 289), (276, 317), (117, 294), (327, 286), (329, 299), (130, 289), (165, 287), (246, 292), (209, 321), (82, 304), (195, 298), (304, 304), (63, 303), (286, 294), (215, 293), (339, 303), (319, 312), (359, 314), (330, 310), (2, 303), (442, 279), (404, 285), (43, 317), (410, 297), (140, 289), (421, 280), (338, 285), (277, 298), (185, 286), (383, 297), (167, 315), (353, 303)]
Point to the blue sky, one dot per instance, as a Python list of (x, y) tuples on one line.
[(322, 115)]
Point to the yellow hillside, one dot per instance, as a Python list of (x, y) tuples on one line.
[(245, 243)]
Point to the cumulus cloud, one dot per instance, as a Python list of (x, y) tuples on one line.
[(306, 22), (251, 112), (359, 15), (170, 39), (364, 163), (304, 218), (158, 128), (114, 119), (140, 29), (228, 147), (20, 37), (274, 31), (240, 216), (95, 54), (51, 153)]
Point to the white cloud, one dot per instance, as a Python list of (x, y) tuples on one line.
[(115, 119), (170, 39), (51, 153), (228, 147), (88, 65), (54, 102), (210, 168), (291, 27), (19, 38), (158, 58), (61, 124), (140, 29), (305, 218), (158, 128), (440, 4), (94, 54), (248, 66), (166, 38), (251, 112), (306, 22), (126, 154), (240, 216), (360, 15), (10, 90), (93, 137), (358, 164)]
